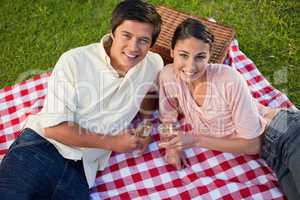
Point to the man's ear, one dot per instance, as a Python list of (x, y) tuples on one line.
[(172, 53), (112, 36)]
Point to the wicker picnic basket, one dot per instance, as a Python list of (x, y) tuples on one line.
[(171, 18)]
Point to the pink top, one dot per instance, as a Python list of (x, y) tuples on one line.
[(228, 109)]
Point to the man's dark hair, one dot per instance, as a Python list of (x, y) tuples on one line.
[(136, 10), (192, 28)]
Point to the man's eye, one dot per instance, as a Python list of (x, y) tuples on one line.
[(183, 56), (145, 41), (126, 36)]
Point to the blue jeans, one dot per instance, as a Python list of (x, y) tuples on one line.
[(281, 151), (34, 169)]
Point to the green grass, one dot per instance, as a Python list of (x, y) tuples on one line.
[(33, 34)]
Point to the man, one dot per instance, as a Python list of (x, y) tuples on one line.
[(94, 92)]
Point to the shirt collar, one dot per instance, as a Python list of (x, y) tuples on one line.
[(104, 40), (103, 54)]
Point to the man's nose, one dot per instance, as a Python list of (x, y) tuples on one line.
[(133, 45)]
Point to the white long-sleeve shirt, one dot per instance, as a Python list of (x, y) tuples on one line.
[(84, 88)]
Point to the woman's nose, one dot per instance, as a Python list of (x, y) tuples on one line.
[(190, 66)]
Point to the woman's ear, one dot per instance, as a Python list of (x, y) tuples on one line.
[(172, 53)]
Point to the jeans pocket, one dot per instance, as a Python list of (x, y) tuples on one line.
[(27, 138), (269, 151), (271, 139)]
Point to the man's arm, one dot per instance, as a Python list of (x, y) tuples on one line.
[(71, 134)]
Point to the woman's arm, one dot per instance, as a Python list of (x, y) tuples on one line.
[(168, 103), (235, 145)]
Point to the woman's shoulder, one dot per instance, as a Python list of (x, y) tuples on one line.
[(224, 73), (167, 73)]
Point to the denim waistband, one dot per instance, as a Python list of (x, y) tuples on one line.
[(281, 116), (31, 134), (277, 141), (28, 137)]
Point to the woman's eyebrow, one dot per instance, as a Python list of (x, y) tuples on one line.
[(201, 54), (198, 54)]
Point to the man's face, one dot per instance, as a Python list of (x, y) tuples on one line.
[(131, 42)]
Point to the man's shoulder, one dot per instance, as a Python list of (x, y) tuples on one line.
[(75, 58), (82, 51), (153, 54), (154, 59)]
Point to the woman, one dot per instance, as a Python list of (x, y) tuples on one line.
[(217, 103)]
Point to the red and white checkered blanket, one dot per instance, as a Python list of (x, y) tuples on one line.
[(212, 174)]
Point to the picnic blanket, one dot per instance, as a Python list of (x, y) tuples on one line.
[(211, 175)]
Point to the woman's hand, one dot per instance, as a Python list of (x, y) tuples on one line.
[(179, 141), (176, 158)]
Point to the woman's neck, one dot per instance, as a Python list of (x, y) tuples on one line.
[(193, 85)]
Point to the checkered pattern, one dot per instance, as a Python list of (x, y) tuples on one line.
[(261, 89), (16, 103), (211, 175)]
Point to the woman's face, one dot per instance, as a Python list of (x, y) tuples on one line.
[(190, 56)]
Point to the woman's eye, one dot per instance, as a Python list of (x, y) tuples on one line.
[(199, 58)]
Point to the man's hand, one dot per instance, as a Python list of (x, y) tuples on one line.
[(144, 143), (124, 142)]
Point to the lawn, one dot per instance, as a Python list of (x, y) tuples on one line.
[(33, 34)]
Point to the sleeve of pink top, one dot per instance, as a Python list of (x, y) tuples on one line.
[(245, 114), (168, 103)]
